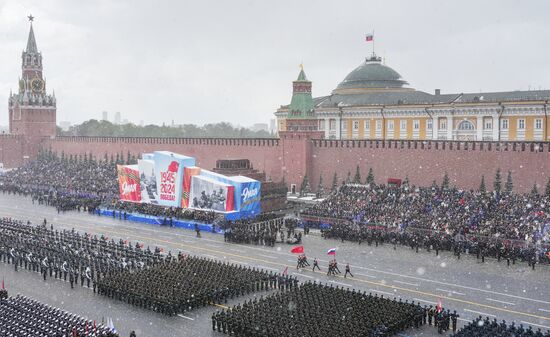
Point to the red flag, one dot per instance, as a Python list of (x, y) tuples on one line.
[(297, 250), (369, 38), (285, 272), (95, 327)]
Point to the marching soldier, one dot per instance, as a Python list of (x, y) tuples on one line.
[(316, 264), (348, 271)]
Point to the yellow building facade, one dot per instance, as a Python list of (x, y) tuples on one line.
[(374, 102)]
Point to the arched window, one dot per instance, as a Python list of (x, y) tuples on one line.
[(466, 126)]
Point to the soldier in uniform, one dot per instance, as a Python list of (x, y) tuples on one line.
[(316, 264), (348, 271)]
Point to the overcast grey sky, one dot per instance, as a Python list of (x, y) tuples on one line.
[(209, 61)]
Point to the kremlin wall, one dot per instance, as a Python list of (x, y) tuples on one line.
[(308, 143), (294, 154)]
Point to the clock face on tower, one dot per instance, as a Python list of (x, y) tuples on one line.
[(37, 85)]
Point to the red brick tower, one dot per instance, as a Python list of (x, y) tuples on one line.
[(32, 112), (301, 128)]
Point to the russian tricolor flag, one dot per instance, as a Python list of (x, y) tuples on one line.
[(331, 251)]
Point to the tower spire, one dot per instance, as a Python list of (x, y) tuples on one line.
[(301, 105), (302, 75), (31, 41)]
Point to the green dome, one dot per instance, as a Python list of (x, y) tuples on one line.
[(372, 74)]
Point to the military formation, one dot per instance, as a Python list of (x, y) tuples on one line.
[(187, 283), (481, 327), (23, 317), (318, 310), (68, 255)]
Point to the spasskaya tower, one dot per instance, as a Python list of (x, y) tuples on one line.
[(32, 112)]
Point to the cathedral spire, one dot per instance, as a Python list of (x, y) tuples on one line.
[(31, 41)]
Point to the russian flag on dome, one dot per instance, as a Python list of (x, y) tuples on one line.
[(369, 38), (331, 251)]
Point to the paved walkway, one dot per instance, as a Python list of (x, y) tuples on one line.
[(491, 289)]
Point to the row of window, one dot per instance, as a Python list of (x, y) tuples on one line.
[(464, 125), (504, 124), (390, 126)]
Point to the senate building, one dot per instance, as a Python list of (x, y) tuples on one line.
[(375, 102)]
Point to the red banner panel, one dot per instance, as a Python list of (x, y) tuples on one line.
[(128, 183)]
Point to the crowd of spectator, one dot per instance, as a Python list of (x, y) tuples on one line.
[(503, 225), (84, 183), (65, 182), (82, 176), (448, 210)]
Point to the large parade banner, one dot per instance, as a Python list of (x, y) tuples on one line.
[(210, 194), (247, 191), (188, 173), (169, 173), (170, 179), (148, 181), (128, 183)]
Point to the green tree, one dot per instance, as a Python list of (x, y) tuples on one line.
[(370, 177), (482, 187), (406, 183), (334, 186), (320, 187), (94, 127), (445, 183), (509, 186), (357, 177), (305, 188), (434, 185), (535, 190), (497, 184), (348, 179)]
